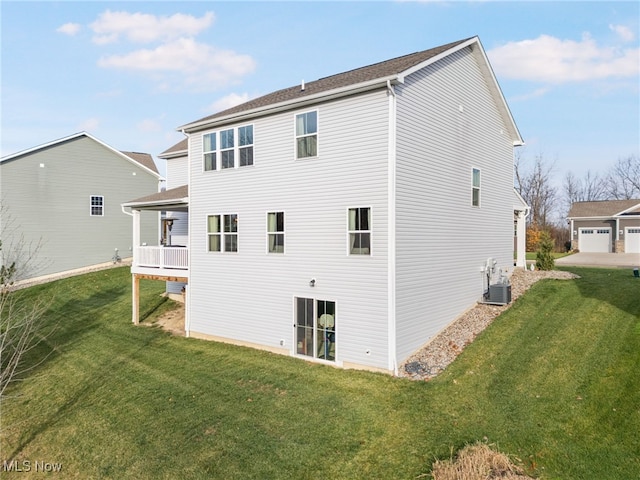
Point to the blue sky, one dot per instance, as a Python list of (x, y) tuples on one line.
[(130, 73)]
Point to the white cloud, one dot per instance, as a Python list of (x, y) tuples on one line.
[(228, 101), (149, 125), (196, 64), (69, 28), (624, 33), (537, 93), (550, 59), (145, 28), (89, 125)]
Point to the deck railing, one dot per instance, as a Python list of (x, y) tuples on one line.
[(161, 257)]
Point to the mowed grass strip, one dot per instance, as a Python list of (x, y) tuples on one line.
[(553, 382)]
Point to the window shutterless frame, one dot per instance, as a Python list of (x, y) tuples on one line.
[(228, 149), (306, 134), (475, 187), (96, 206), (359, 231), (222, 233), (275, 232)]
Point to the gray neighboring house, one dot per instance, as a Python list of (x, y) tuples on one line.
[(347, 220), (66, 196), (608, 226)]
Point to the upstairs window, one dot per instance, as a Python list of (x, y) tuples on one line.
[(360, 231), (245, 135), (475, 188), (226, 149), (96, 206), (209, 149), (275, 232), (221, 150), (307, 135), (222, 233)]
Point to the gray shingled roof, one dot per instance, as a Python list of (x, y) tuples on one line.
[(167, 196), (179, 147), (353, 77), (143, 159), (604, 208)]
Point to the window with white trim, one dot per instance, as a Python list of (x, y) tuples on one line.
[(222, 233), (209, 149), (221, 149), (360, 231), (96, 206), (307, 134), (275, 232), (475, 188)]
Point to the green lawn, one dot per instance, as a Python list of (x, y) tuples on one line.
[(554, 382)]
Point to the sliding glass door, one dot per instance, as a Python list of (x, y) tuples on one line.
[(315, 326)]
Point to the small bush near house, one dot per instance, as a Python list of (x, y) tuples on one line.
[(478, 462), (544, 257)]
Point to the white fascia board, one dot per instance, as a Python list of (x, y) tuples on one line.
[(601, 217), (289, 104), (490, 77), (627, 210), (40, 147)]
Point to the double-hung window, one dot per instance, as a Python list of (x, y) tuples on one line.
[(275, 232), (226, 149), (221, 149), (209, 149), (245, 138), (360, 231), (475, 188), (307, 135), (222, 233), (96, 206)]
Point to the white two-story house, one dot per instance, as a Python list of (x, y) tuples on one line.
[(348, 220)]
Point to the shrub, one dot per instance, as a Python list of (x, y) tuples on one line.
[(544, 258)]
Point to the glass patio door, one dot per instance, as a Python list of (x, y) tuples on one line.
[(315, 328)]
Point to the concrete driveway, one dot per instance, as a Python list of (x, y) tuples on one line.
[(584, 259)]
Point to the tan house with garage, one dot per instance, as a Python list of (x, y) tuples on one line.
[(609, 226)]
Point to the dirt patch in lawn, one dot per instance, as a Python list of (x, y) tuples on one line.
[(172, 320)]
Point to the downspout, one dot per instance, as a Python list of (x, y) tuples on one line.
[(391, 236)]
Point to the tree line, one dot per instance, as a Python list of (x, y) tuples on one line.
[(550, 203)]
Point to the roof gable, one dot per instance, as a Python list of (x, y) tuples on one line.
[(371, 76), (142, 160), (604, 208)]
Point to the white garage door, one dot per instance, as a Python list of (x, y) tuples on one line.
[(595, 240), (632, 240)]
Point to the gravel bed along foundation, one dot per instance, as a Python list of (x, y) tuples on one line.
[(434, 357)]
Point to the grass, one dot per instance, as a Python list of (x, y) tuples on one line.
[(554, 381), (532, 255)]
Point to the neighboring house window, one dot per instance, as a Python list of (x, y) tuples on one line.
[(307, 135), (245, 135), (275, 232), (226, 149), (222, 233), (475, 188), (209, 150), (97, 206), (220, 149), (360, 231)]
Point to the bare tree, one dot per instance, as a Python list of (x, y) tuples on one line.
[(20, 320), (623, 180), (590, 188), (535, 185)]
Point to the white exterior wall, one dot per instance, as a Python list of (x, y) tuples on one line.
[(249, 295), (447, 124), (177, 172)]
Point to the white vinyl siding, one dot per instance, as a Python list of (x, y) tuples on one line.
[(252, 291), (447, 125)]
